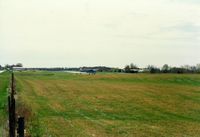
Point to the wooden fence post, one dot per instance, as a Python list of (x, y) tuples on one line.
[(11, 109), (9, 112), (20, 129)]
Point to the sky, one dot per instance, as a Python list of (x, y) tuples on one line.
[(74, 33)]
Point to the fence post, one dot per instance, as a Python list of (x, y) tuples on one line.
[(9, 112), (11, 109), (20, 129), (13, 117)]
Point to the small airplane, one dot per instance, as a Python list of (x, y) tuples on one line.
[(89, 71)]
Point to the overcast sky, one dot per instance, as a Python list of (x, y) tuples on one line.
[(72, 33)]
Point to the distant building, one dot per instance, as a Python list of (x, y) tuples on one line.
[(18, 69)]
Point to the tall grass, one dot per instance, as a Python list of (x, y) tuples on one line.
[(4, 83)]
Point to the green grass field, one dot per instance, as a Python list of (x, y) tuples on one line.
[(4, 83), (110, 105)]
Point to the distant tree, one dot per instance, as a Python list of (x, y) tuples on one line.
[(186, 68), (198, 68), (7, 66), (153, 69), (19, 65), (177, 70), (127, 69), (193, 69), (116, 70), (133, 66), (165, 68)]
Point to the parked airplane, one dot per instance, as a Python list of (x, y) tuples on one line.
[(89, 71)]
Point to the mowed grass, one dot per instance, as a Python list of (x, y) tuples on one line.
[(110, 105), (4, 83)]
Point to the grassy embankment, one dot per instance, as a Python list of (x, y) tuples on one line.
[(4, 83), (110, 105)]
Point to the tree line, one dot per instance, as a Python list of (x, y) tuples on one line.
[(7, 66), (132, 68)]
